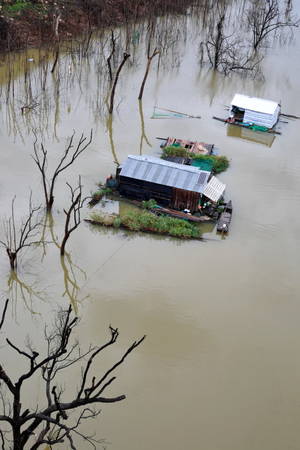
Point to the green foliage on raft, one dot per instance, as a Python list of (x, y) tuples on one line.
[(146, 221), (219, 163), (19, 7), (149, 204), (99, 194)]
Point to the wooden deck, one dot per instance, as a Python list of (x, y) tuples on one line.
[(249, 127)]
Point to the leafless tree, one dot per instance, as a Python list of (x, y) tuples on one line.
[(265, 18), (215, 45), (113, 90), (112, 52), (56, 22), (149, 61), (150, 56), (70, 154), (228, 52), (49, 423), (17, 237), (73, 218)]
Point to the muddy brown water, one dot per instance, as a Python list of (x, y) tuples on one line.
[(220, 367)]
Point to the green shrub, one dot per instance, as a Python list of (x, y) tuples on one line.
[(97, 217), (99, 194), (149, 204), (175, 151), (117, 222), (147, 221), (18, 8), (220, 163)]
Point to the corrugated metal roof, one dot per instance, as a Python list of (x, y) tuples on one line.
[(159, 171), (214, 189), (254, 104)]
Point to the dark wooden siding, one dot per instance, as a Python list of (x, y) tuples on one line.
[(164, 195), (182, 199), (143, 190)]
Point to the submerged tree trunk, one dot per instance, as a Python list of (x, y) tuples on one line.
[(155, 52), (112, 95), (12, 258), (55, 58)]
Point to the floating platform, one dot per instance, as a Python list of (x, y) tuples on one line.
[(252, 127)]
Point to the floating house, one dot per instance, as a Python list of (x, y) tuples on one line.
[(257, 111), (172, 185)]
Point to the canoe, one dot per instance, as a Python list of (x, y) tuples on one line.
[(225, 219)]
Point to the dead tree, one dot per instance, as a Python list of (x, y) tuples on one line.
[(228, 53), (73, 218), (264, 18), (215, 46), (149, 61), (48, 423), (113, 90), (70, 154), (56, 22), (17, 237), (112, 52)]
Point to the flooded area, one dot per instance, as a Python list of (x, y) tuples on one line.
[(220, 367)]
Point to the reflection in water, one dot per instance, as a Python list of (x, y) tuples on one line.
[(143, 133), (28, 292), (72, 289), (109, 124), (71, 271), (250, 135)]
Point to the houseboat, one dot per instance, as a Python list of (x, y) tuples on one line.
[(253, 113), (172, 185)]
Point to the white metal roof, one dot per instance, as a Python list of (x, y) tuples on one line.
[(254, 104), (214, 189), (156, 170)]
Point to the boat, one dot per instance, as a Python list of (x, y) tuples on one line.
[(225, 219)]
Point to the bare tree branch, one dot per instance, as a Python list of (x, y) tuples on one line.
[(113, 90), (17, 238), (3, 313), (265, 18), (49, 424), (73, 217), (70, 154)]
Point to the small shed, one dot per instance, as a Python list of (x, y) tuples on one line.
[(252, 110), (170, 184), (214, 189)]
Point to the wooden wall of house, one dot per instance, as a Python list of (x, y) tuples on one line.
[(144, 190), (182, 199), (164, 195)]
